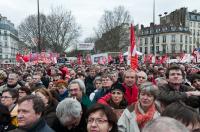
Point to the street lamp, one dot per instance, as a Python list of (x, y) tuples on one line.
[(39, 36), (154, 47)]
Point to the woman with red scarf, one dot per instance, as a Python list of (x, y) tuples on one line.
[(144, 110)]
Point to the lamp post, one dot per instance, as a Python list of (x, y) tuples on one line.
[(154, 47), (39, 35)]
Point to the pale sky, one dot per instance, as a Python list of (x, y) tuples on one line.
[(88, 12)]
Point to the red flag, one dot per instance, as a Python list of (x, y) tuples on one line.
[(79, 59), (104, 60), (164, 59), (18, 57), (109, 58), (88, 59), (134, 57), (121, 58)]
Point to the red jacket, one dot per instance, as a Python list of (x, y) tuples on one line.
[(131, 94), (103, 100)]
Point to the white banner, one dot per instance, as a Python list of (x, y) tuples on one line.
[(85, 46)]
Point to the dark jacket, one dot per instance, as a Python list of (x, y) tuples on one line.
[(39, 126), (49, 114), (167, 95), (89, 85), (6, 128)]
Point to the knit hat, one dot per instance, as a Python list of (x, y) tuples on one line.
[(118, 86)]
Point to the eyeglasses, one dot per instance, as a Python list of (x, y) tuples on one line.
[(5, 97), (97, 120)]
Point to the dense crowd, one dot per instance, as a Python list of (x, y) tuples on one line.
[(100, 98)]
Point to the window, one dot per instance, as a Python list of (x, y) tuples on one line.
[(6, 44), (5, 38), (190, 40), (152, 40), (186, 39), (194, 25), (152, 49), (146, 50), (5, 32), (190, 50), (186, 48), (199, 25), (141, 42), (1, 57), (140, 49), (181, 38), (181, 47), (157, 49), (173, 39), (157, 39), (0, 50), (164, 49), (194, 32), (146, 41), (6, 56), (190, 24), (173, 48), (164, 39)]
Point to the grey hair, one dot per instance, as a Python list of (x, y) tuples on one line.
[(164, 124), (97, 78), (80, 83), (68, 109), (144, 74), (149, 87)]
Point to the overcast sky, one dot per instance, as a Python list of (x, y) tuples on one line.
[(88, 12)]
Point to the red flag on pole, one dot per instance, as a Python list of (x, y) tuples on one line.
[(109, 58), (79, 59), (134, 56), (121, 58)]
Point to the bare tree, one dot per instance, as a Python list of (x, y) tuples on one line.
[(61, 29), (58, 30), (28, 30), (112, 32)]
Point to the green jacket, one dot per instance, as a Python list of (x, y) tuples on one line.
[(86, 101)]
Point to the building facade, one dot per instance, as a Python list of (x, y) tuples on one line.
[(177, 32), (9, 41)]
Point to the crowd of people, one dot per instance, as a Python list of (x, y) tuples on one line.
[(100, 98)]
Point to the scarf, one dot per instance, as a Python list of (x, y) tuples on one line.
[(141, 117), (131, 94)]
